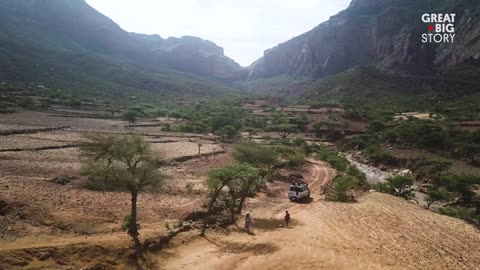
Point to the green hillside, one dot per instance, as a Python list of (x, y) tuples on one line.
[(361, 85), (72, 47)]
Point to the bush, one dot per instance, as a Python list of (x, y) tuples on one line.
[(377, 155), (256, 155), (401, 184), (383, 187), (429, 167), (296, 159), (467, 214), (463, 184), (342, 185), (324, 152), (194, 127), (435, 194), (360, 177), (130, 116), (340, 163)]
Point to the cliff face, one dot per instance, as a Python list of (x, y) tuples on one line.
[(384, 33), (74, 25)]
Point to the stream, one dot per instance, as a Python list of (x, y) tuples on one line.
[(374, 174)]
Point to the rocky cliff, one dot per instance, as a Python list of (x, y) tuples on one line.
[(74, 25), (384, 33)]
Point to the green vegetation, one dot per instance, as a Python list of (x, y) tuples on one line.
[(372, 87), (260, 156), (342, 185), (376, 154), (123, 163), (350, 176), (435, 194), (241, 180), (429, 168)]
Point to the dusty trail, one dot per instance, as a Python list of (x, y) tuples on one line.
[(378, 232)]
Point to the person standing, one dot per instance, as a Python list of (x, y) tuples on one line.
[(287, 218), (248, 223)]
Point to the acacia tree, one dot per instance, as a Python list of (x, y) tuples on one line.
[(216, 181), (471, 151), (256, 155), (130, 116), (431, 168), (284, 130), (463, 184), (401, 184), (241, 181), (435, 194), (245, 184), (123, 163)]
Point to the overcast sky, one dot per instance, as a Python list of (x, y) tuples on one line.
[(244, 28)]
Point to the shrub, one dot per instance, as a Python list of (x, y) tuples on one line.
[(377, 155), (296, 159), (299, 141), (430, 167), (463, 184), (340, 163), (342, 185), (360, 177), (467, 214), (383, 187), (324, 152), (256, 155), (436, 194), (401, 184), (130, 116)]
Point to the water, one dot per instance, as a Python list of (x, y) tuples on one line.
[(374, 174)]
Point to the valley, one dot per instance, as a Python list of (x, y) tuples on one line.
[(122, 150)]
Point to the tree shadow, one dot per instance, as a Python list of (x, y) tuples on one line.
[(244, 247)]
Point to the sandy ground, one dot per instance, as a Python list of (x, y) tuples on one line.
[(378, 232)]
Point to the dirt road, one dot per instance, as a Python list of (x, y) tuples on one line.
[(378, 232)]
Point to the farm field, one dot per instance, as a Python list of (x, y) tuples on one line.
[(79, 227)]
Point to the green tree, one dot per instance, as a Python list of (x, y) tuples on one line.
[(123, 163), (245, 184), (235, 175), (130, 116), (431, 167), (463, 184), (361, 177), (400, 183), (342, 184), (376, 126), (435, 194), (285, 130), (256, 155), (228, 133), (471, 151)]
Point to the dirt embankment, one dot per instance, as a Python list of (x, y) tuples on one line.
[(378, 232)]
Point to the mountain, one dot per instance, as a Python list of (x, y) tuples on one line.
[(69, 44), (384, 33)]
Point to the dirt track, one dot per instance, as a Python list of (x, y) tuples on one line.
[(378, 232)]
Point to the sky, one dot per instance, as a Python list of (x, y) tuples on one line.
[(244, 28)]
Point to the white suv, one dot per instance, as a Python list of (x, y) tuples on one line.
[(298, 191)]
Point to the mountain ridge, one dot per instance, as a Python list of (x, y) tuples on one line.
[(373, 32)]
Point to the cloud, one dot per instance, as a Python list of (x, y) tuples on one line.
[(244, 28)]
